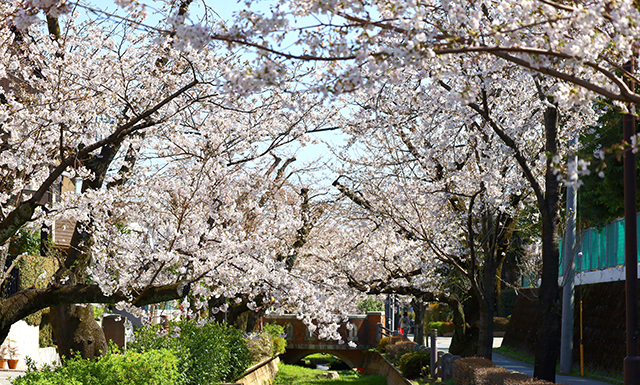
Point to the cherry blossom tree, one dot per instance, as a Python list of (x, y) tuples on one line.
[(583, 46), (169, 161)]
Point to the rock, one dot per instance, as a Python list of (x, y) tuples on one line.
[(330, 375)]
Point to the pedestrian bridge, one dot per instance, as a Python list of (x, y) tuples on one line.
[(301, 342)]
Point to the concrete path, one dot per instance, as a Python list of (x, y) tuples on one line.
[(6, 376)]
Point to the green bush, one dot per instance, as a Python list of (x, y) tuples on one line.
[(399, 349), (279, 345), (442, 327), (382, 344), (156, 367), (414, 364), (260, 346), (276, 332), (206, 354)]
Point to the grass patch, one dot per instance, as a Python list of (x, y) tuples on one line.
[(298, 375), (323, 356)]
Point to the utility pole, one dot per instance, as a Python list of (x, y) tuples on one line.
[(631, 361), (568, 270)]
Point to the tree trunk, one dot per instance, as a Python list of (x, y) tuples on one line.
[(487, 300), (420, 318), (548, 339), (495, 252), (77, 332), (465, 337)]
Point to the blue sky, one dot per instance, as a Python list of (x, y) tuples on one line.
[(225, 10)]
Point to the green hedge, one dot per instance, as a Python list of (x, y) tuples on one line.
[(207, 354), (442, 327), (415, 364), (156, 367)]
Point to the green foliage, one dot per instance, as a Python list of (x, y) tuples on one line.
[(442, 327), (46, 331), (98, 312), (601, 199), (35, 271), (155, 367), (382, 344), (506, 302), (399, 349), (279, 345), (414, 364), (370, 304), (25, 242), (276, 332), (260, 346), (298, 375), (206, 355)]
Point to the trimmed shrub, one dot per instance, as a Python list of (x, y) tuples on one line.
[(207, 354), (414, 364), (498, 376), (382, 344), (401, 348), (442, 327), (156, 367), (464, 369), (500, 324)]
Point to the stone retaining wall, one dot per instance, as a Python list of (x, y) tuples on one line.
[(375, 363), (261, 373)]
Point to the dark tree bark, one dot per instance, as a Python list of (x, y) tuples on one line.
[(77, 332), (548, 340), (29, 301), (419, 310), (465, 321)]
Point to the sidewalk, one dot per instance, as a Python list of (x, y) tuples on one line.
[(7, 375), (509, 363), (527, 369)]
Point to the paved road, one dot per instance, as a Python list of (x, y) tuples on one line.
[(521, 367), (442, 343)]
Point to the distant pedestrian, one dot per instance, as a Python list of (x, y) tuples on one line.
[(405, 324)]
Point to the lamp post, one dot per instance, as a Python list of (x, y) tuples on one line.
[(568, 270), (631, 361)]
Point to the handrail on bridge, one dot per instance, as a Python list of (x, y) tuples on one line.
[(387, 332)]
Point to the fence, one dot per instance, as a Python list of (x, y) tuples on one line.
[(601, 248)]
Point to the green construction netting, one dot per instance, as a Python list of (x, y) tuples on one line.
[(601, 248)]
